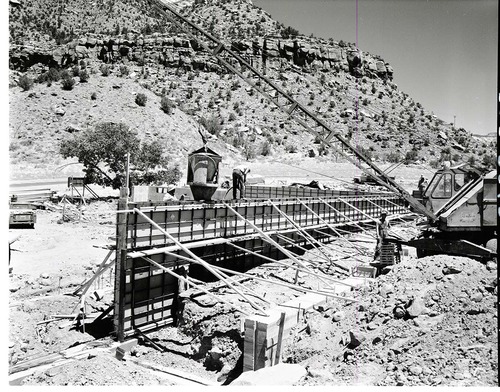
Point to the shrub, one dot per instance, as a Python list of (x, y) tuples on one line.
[(434, 164), (212, 125), (93, 96), (411, 156), (141, 99), (166, 105), (76, 70), (68, 83), (25, 82), (489, 161), (105, 70), (393, 157), (124, 71), (238, 140), (291, 148), (64, 74), (265, 148), (84, 76), (249, 150), (52, 75)]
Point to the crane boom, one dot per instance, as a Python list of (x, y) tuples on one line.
[(288, 105)]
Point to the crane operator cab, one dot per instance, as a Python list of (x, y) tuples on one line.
[(445, 184)]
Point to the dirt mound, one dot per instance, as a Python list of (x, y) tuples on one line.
[(431, 321)]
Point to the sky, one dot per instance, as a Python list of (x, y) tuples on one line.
[(444, 52)]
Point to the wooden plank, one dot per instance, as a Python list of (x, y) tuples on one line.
[(280, 337)]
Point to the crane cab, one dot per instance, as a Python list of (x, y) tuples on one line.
[(444, 185)]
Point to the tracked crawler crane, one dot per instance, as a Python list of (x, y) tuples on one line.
[(463, 225)]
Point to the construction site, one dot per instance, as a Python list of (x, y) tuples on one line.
[(345, 274)]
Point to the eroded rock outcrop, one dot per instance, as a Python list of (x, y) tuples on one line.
[(180, 51)]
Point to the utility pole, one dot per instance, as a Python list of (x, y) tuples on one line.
[(454, 117)]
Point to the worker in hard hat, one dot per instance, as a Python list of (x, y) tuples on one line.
[(382, 232), (170, 194), (239, 178)]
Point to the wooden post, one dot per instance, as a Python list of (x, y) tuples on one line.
[(280, 338), (120, 259)]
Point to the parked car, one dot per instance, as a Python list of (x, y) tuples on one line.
[(22, 214)]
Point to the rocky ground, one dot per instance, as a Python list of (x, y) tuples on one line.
[(430, 321)]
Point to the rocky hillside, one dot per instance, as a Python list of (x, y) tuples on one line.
[(128, 43)]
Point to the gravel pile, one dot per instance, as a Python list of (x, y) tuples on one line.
[(430, 321)]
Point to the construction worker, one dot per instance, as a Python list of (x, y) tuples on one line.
[(382, 233), (170, 194), (421, 184), (239, 178)]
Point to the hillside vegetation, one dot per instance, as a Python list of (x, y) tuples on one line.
[(115, 50)]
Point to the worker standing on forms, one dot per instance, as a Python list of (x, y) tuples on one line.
[(239, 178), (382, 233)]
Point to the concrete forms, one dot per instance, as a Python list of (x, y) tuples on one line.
[(146, 296)]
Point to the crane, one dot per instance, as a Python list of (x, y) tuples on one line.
[(287, 104), (446, 239)]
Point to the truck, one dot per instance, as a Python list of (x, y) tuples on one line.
[(22, 214)]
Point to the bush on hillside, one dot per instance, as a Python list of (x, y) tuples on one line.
[(212, 125), (249, 150), (265, 149), (84, 76), (393, 157), (25, 82), (124, 71), (411, 156), (105, 70), (141, 99), (167, 105), (68, 83), (52, 75)]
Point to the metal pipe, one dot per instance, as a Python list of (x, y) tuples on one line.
[(292, 286), (330, 227), (289, 266), (270, 240)]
